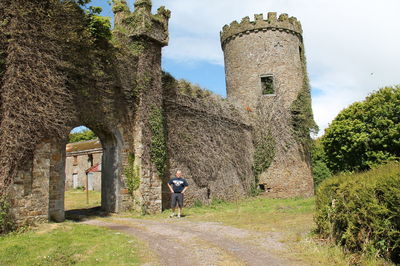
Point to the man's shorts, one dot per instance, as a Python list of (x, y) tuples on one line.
[(176, 198)]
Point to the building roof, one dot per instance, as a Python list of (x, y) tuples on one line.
[(94, 168), (83, 145)]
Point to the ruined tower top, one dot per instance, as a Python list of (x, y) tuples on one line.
[(141, 22), (281, 23), (143, 4), (263, 59)]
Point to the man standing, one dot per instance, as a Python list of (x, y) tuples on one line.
[(177, 185)]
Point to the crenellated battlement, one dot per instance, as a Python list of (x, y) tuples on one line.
[(142, 22), (273, 22)]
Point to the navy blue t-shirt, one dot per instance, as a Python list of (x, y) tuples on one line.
[(178, 184)]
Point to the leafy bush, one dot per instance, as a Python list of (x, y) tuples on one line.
[(6, 223), (366, 133), (320, 169), (362, 211)]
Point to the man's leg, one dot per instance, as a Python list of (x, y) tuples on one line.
[(180, 204), (173, 204)]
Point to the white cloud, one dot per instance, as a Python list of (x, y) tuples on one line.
[(352, 46), (203, 50)]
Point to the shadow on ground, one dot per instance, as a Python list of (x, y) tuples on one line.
[(79, 215)]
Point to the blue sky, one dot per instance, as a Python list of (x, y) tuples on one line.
[(351, 45)]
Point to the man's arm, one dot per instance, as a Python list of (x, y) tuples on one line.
[(184, 189), (170, 188)]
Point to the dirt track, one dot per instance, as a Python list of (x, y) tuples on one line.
[(182, 242)]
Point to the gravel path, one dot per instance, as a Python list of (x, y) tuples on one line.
[(181, 242)]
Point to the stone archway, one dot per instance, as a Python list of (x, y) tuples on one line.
[(120, 116), (111, 179), (111, 176)]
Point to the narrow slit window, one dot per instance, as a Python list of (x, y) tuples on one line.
[(267, 85), (90, 160), (301, 53)]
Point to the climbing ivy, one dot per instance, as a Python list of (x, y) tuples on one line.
[(2, 62), (158, 148), (302, 114), (136, 47), (263, 155), (132, 174), (68, 55), (3, 23)]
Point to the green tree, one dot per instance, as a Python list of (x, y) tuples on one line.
[(320, 169), (99, 27), (82, 136), (366, 133)]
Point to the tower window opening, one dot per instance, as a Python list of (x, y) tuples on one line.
[(267, 85)]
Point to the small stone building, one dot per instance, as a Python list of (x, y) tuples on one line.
[(83, 165)]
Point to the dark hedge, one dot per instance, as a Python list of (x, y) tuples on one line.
[(361, 211)]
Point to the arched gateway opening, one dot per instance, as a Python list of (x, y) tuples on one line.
[(89, 166), (83, 163)]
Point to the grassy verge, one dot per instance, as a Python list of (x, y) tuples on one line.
[(68, 244), (293, 219), (260, 214), (76, 199)]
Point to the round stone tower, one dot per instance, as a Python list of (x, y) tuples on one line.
[(263, 59), (266, 75)]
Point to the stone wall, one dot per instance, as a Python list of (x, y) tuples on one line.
[(30, 201), (57, 181), (210, 141), (116, 107)]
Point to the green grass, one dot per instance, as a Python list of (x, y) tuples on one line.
[(260, 214), (76, 199), (68, 244)]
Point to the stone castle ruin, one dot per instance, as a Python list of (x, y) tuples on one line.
[(150, 124)]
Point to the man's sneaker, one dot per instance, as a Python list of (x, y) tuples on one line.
[(179, 215), (172, 215)]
